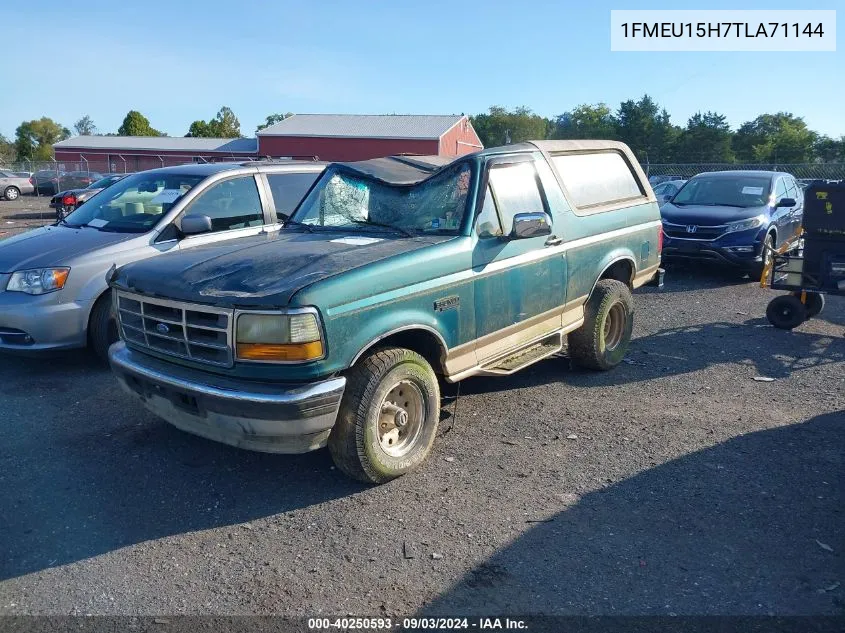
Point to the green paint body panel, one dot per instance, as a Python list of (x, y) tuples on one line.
[(485, 292)]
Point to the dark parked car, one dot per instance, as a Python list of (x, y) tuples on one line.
[(48, 182), (727, 217), (67, 201), (666, 190)]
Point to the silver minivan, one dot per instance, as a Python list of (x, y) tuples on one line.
[(53, 292)]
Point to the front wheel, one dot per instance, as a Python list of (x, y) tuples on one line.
[(388, 416), (601, 342), (102, 327), (11, 193)]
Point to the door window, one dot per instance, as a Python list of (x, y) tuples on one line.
[(488, 223), (288, 189), (780, 192), (231, 204), (515, 191)]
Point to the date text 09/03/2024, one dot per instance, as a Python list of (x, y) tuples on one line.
[(416, 624)]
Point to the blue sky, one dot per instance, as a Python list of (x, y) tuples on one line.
[(179, 61)]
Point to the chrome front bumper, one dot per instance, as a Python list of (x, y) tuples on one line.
[(268, 417)]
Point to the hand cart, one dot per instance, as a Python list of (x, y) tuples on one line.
[(815, 267)]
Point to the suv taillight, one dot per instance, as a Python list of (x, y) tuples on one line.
[(660, 240), (69, 200), (32, 181)]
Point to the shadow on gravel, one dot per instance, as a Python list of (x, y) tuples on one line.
[(765, 350), (752, 526), (100, 477)]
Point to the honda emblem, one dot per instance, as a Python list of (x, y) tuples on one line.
[(691, 228)]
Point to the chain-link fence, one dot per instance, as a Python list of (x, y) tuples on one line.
[(824, 171), (50, 177)]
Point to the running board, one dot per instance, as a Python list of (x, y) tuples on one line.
[(524, 357)]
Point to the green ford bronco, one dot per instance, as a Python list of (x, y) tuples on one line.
[(391, 274)]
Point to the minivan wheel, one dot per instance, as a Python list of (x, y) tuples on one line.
[(388, 416), (601, 342), (102, 327), (786, 312), (11, 193)]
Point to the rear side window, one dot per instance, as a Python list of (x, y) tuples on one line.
[(515, 191), (594, 179), (289, 189)]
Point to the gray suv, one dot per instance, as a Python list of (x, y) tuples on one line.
[(53, 292)]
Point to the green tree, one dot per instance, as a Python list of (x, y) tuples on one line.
[(775, 138), (34, 139), (224, 125), (136, 124), (706, 138), (272, 119), (829, 150), (586, 121), (647, 130), (500, 126), (7, 150), (85, 126)]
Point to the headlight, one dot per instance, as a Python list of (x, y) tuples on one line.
[(293, 337), (744, 225), (38, 281)]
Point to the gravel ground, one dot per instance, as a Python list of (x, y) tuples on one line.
[(23, 214), (675, 484)]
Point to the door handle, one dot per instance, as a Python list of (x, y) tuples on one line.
[(554, 240)]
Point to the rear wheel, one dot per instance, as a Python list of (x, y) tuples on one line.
[(388, 416), (11, 193), (786, 312), (814, 304), (601, 342), (102, 327)]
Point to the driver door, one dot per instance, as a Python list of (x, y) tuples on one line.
[(519, 283), (235, 207)]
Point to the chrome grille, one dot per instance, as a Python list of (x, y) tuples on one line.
[(699, 232), (187, 330)]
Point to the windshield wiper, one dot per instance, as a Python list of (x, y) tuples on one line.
[(307, 227), (404, 232)]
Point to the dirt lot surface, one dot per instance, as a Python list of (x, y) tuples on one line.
[(675, 484), (23, 214)]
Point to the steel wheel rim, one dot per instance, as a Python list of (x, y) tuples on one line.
[(401, 416), (614, 326)]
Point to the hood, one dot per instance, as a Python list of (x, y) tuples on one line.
[(53, 246), (708, 215), (84, 194), (265, 270)]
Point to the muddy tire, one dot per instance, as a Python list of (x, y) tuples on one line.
[(786, 312), (601, 342), (388, 416), (102, 327)]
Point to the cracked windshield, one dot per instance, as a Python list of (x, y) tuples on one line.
[(349, 200)]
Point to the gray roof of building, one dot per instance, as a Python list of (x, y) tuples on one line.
[(402, 126), (161, 143)]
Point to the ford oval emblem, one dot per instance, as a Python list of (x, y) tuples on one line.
[(162, 328)]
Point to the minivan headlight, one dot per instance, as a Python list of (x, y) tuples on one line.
[(744, 225), (281, 337), (38, 281)]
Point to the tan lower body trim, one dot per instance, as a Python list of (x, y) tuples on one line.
[(465, 360), (644, 276)]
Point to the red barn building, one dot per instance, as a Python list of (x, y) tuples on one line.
[(336, 137), (136, 153), (328, 137)]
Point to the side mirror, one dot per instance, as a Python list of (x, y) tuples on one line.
[(527, 225), (195, 224), (786, 202)]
